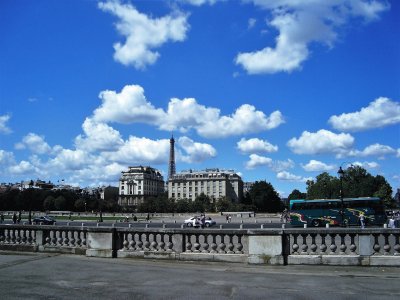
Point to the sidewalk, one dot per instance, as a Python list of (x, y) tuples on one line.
[(49, 276)]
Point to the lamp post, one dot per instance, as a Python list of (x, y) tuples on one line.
[(341, 174)]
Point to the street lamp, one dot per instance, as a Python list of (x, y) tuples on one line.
[(341, 175)]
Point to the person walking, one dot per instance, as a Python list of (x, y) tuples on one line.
[(14, 218), (362, 220)]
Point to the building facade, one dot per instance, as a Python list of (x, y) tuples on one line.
[(214, 183), (138, 183)]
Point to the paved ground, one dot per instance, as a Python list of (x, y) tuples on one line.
[(48, 276)]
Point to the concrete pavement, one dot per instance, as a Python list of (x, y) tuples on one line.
[(49, 276)]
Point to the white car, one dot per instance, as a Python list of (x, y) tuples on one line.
[(196, 222)]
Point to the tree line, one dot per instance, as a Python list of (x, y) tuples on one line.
[(262, 197)]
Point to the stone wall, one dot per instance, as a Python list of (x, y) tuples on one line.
[(329, 246)]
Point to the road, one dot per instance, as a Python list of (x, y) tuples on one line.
[(50, 276)]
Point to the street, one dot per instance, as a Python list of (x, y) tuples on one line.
[(52, 276)]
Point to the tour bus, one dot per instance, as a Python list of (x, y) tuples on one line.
[(329, 211)]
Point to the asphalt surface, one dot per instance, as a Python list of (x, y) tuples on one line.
[(49, 276)]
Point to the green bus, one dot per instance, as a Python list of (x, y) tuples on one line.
[(329, 211)]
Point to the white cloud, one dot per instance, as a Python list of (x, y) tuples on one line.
[(128, 106), (201, 2), (282, 165), (398, 153), (196, 152), (322, 141), (377, 150), (98, 136), (256, 145), (246, 119), (6, 158), (23, 168), (251, 23), (70, 160), (301, 23), (34, 143), (131, 106), (143, 34), (258, 161), (4, 129), (317, 166), (379, 113), (366, 164), (286, 176)]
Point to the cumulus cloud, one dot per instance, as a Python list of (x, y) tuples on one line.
[(196, 152), (317, 166), (34, 143), (143, 34), (281, 165), (287, 176), (256, 145), (23, 168), (322, 141), (201, 2), (379, 113), (98, 136), (4, 129), (374, 150), (6, 158), (299, 24), (257, 161), (131, 106), (366, 164)]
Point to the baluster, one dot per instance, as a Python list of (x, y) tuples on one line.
[(66, 239), (304, 246), (24, 238), (205, 245), (2, 236), (18, 236), (72, 241), (8, 236), (13, 237), (196, 245), (222, 245), (188, 243), (84, 239), (140, 242), (295, 246), (396, 247), (376, 246), (53, 238), (333, 246), (353, 246), (79, 239), (132, 242), (154, 244), (323, 246), (313, 246), (169, 244), (146, 243), (343, 246), (125, 242), (386, 247), (230, 245), (162, 243), (239, 246), (214, 245)]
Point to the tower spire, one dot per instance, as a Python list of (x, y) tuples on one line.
[(171, 165)]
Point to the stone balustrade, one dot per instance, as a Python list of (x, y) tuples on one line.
[(332, 246)]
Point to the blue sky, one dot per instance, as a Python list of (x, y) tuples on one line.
[(276, 90)]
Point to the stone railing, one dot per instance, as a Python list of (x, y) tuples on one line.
[(64, 239), (331, 246)]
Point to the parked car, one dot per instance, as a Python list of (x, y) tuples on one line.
[(196, 222), (46, 220)]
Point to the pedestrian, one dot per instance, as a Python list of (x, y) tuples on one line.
[(230, 218), (19, 217), (14, 218), (392, 223), (1, 218), (362, 220), (227, 218), (203, 220), (148, 217), (134, 218)]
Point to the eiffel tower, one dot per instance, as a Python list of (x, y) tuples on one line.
[(171, 165)]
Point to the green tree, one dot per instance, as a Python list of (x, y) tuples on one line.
[(296, 194), (264, 197), (183, 205), (48, 203), (60, 203), (224, 204), (325, 187), (202, 203)]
